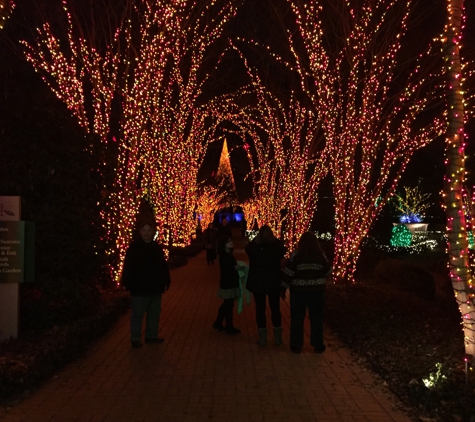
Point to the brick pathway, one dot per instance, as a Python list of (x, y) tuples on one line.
[(199, 374)]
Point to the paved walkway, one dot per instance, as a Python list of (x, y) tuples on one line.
[(199, 374)]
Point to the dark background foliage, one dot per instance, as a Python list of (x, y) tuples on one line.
[(44, 160)]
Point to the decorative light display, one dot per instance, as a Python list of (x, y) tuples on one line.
[(459, 268), (468, 206), (419, 244), (401, 236), (280, 144), (435, 379), (210, 200), (224, 167), (412, 204), (225, 178), (369, 120), (470, 240), (153, 67), (6, 8), (287, 176), (251, 211)]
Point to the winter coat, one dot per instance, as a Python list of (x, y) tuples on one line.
[(265, 273), (305, 276), (229, 277), (145, 269)]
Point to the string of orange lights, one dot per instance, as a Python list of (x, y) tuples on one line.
[(6, 8), (153, 67), (371, 122)]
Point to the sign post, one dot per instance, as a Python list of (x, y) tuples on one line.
[(16, 262)]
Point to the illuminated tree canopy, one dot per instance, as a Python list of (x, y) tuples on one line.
[(412, 204), (362, 109), (369, 103), (149, 78)]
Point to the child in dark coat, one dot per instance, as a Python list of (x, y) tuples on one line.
[(147, 277), (228, 286)]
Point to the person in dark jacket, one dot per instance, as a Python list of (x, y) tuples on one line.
[(264, 280), (228, 286), (147, 277), (305, 276), (209, 243), (224, 229)]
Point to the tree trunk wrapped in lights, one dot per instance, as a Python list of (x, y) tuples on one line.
[(368, 105), (147, 80), (453, 189)]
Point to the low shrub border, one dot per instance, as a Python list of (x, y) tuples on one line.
[(403, 338)]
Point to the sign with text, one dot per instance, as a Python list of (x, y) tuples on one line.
[(16, 252)]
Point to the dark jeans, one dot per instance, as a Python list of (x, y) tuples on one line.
[(299, 302), (225, 312), (152, 307), (274, 303), (210, 255)]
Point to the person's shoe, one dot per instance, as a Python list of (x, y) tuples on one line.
[(319, 349), (295, 349), (232, 330), (155, 340), (262, 337), (218, 326), (136, 344)]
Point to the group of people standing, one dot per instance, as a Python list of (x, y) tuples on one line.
[(146, 276), (303, 274)]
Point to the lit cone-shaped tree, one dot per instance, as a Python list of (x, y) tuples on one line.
[(141, 92), (453, 189), (225, 179), (219, 191), (368, 103)]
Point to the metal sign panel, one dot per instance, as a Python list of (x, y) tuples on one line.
[(12, 251)]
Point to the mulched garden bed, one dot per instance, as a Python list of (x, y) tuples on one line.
[(402, 337)]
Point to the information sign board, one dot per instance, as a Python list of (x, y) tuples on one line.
[(15, 265)]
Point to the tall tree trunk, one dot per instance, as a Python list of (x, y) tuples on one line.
[(453, 187)]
